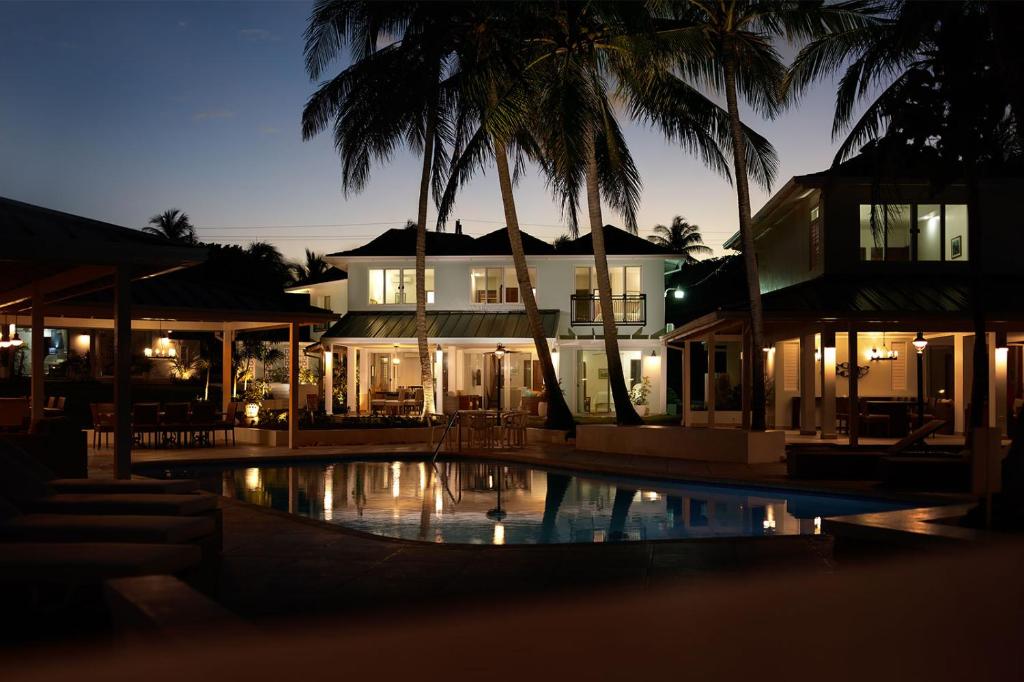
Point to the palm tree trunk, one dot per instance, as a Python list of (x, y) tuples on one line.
[(426, 366), (739, 154), (559, 415), (625, 413)]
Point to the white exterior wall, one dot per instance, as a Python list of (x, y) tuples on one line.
[(555, 285)]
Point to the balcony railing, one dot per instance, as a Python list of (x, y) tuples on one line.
[(629, 309)]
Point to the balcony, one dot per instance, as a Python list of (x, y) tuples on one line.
[(629, 309)]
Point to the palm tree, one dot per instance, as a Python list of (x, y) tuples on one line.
[(388, 96), (489, 121), (313, 267), (581, 49), (727, 47), (939, 68), (172, 225), (682, 238), (268, 260)]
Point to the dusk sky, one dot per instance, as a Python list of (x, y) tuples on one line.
[(117, 111)]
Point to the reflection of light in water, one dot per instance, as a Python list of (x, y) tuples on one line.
[(490, 481), (396, 477), (438, 500), (769, 521), (817, 525), (499, 534), (329, 493), (252, 480), (423, 477)]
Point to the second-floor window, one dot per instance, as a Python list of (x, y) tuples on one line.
[(498, 285), (624, 280), (397, 285), (919, 232)]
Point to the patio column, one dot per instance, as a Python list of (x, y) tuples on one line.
[(293, 385), (747, 377), (710, 391), (685, 351), (828, 384), (808, 420), (38, 352), (351, 367), (328, 351), (227, 376), (998, 397), (853, 410), (122, 374)]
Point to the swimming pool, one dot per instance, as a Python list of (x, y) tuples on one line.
[(479, 502)]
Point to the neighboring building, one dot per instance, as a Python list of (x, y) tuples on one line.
[(844, 257), (328, 291), (474, 304)]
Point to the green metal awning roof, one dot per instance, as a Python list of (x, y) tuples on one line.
[(452, 324)]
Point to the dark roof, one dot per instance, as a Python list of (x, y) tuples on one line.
[(332, 274), (617, 242), (497, 244), (870, 296), (185, 297), (39, 242), (402, 242), (440, 324)]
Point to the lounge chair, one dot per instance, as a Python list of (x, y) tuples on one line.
[(91, 562), (17, 527), (916, 436)]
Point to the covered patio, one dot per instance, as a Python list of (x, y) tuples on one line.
[(846, 360), (106, 282)]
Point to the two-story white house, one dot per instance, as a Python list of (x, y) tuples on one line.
[(863, 280), (474, 304)]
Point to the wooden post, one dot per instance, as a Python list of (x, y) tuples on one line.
[(853, 411), (293, 385), (747, 377), (328, 355), (686, 351), (828, 384), (808, 418), (710, 392), (351, 368), (38, 352), (122, 374), (227, 376)]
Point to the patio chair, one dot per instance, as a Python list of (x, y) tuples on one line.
[(480, 430), (15, 414), (102, 422), (203, 421), (378, 402), (227, 423), (514, 424), (145, 422), (412, 400), (174, 424)]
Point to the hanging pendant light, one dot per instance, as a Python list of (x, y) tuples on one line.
[(16, 341)]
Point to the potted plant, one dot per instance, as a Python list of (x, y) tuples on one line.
[(639, 394), (253, 396)]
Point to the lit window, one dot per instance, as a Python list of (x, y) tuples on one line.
[(884, 232), (498, 285), (398, 285), (939, 232)]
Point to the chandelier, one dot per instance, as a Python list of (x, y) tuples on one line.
[(163, 347), (885, 355)]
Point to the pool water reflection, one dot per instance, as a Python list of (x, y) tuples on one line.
[(489, 503)]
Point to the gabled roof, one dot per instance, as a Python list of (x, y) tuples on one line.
[(497, 244), (402, 242), (617, 242), (452, 324)]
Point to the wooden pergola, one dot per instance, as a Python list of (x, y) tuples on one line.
[(58, 269)]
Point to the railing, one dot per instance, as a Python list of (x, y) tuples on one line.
[(628, 309)]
